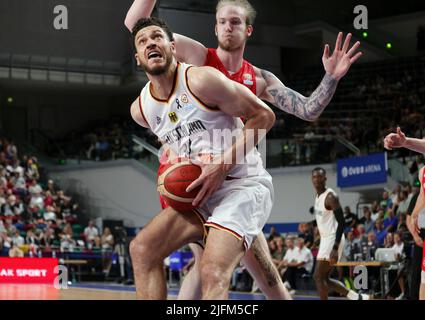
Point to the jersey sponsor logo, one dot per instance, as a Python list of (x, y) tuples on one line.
[(173, 117), (183, 131), (158, 120), (247, 79), (184, 99), (183, 103)]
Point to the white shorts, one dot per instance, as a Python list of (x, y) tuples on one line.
[(240, 207), (326, 246)]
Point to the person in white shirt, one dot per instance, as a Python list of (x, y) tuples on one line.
[(19, 182), (290, 255), (304, 257), (92, 234), (37, 200), (50, 214), (17, 239), (395, 194), (107, 239), (12, 207), (403, 203), (398, 247), (35, 188), (298, 260), (291, 262), (375, 215)]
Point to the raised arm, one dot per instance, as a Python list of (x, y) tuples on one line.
[(399, 140), (139, 9), (187, 49), (310, 108), (290, 101)]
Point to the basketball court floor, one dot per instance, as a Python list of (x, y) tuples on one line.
[(103, 291)]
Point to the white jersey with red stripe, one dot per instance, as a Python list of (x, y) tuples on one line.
[(191, 128)]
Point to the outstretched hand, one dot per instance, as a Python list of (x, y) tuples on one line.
[(338, 64), (395, 140)]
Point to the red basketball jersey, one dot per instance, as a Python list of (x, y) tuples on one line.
[(245, 75)]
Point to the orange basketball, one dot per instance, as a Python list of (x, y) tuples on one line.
[(173, 180)]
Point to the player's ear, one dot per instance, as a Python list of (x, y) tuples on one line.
[(249, 30), (136, 56), (215, 30), (173, 47)]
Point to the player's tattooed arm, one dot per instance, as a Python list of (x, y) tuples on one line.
[(290, 101)]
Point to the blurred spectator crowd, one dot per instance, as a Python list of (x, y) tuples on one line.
[(371, 101), (108, 141), (39, 219)]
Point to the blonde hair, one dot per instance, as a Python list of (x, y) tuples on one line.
[(251, 13)]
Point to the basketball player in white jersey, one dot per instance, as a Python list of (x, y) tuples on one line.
[(233, 29), (180, 104), (330, 222)]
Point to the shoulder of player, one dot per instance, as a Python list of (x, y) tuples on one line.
[(259, 76), (265, 79), (136, 111), (204, 77), (264, 75), (331, 199)]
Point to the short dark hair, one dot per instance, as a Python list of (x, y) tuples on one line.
[(318, 169), (152, 21)]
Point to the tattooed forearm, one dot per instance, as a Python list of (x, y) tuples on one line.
[(306, 108)]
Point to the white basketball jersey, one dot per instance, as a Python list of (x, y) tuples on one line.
[(326, 221), (191, 128)]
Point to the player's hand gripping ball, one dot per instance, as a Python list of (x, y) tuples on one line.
[(173, 180)]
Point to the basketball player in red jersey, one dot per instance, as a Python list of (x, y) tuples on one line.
[(234, 26), (399, 140)]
